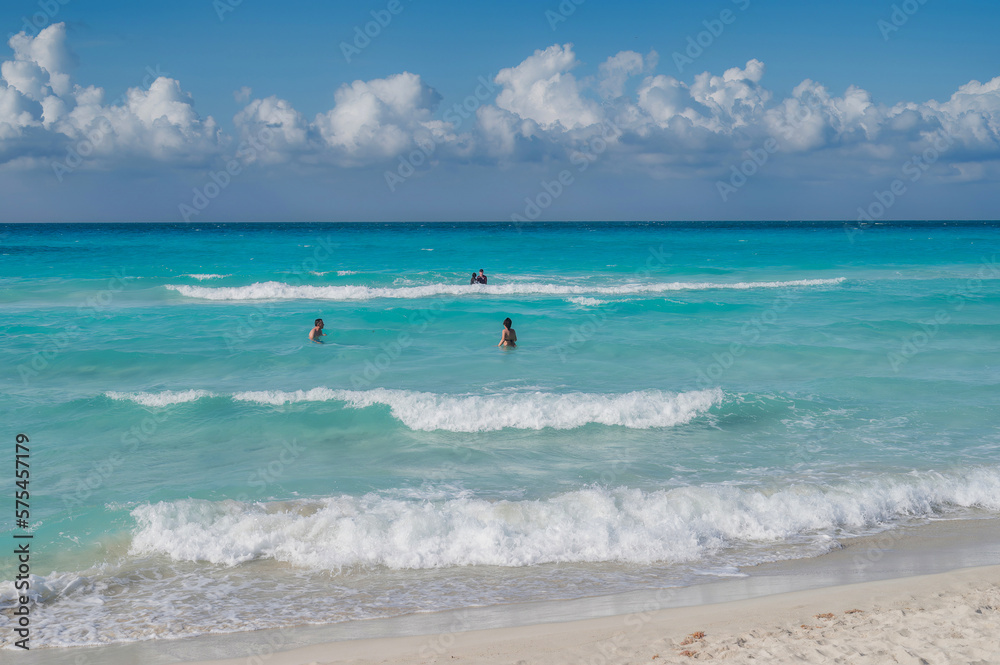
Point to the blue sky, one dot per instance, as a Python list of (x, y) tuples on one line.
[(135, 111)]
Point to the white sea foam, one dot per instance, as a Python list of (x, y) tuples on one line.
[(165, 398), (203, 276), (588, 525), (283, 291), (587, 302), (642, 409)]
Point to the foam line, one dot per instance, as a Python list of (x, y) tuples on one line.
[(283, 291)]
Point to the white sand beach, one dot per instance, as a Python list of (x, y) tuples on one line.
[(951, 617)]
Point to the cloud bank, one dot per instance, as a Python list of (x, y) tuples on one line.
[(537, 109)]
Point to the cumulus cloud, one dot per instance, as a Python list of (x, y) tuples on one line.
[(971, 115), (542, 89), (381, 117), (274, 123), (713, 118), (651, 123), (616, 70), (40, 106), (719, 104), (242, 96), (371, 121)]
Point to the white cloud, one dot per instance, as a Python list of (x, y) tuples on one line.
[(719, 104), (616, 70), (381, 118), (667, 126), (664, 98), (371, 121), (286, 130), (157, 123), (542, 89), (242, 95), (971, 115), (41, 62), (16, 112)]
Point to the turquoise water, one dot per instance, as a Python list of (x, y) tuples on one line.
[(685, 400)]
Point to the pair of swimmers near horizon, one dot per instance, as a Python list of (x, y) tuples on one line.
[(508, 337)]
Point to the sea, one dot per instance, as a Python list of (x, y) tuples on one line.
[(686, 401)]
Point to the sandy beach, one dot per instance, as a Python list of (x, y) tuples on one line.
[(944, 618)]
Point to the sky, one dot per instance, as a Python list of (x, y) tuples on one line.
[(413, 110)]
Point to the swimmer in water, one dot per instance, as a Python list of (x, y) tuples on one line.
[(474, 280), (508, 337), (317, 332), (481, 277)]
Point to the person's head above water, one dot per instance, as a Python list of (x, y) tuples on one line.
[(319, 322), (507, 322), (480, 271)]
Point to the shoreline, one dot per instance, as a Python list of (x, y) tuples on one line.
[(891, 562), (902, 619)]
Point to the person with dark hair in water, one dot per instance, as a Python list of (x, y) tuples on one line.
[(475, 280), (508, 337), (317, 332), (481, 277)]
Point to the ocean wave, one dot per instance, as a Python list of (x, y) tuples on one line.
[(588, 525), (203, 276), (587, 302), (283, 291), (43, 588), (165, 398), (641, 409)]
